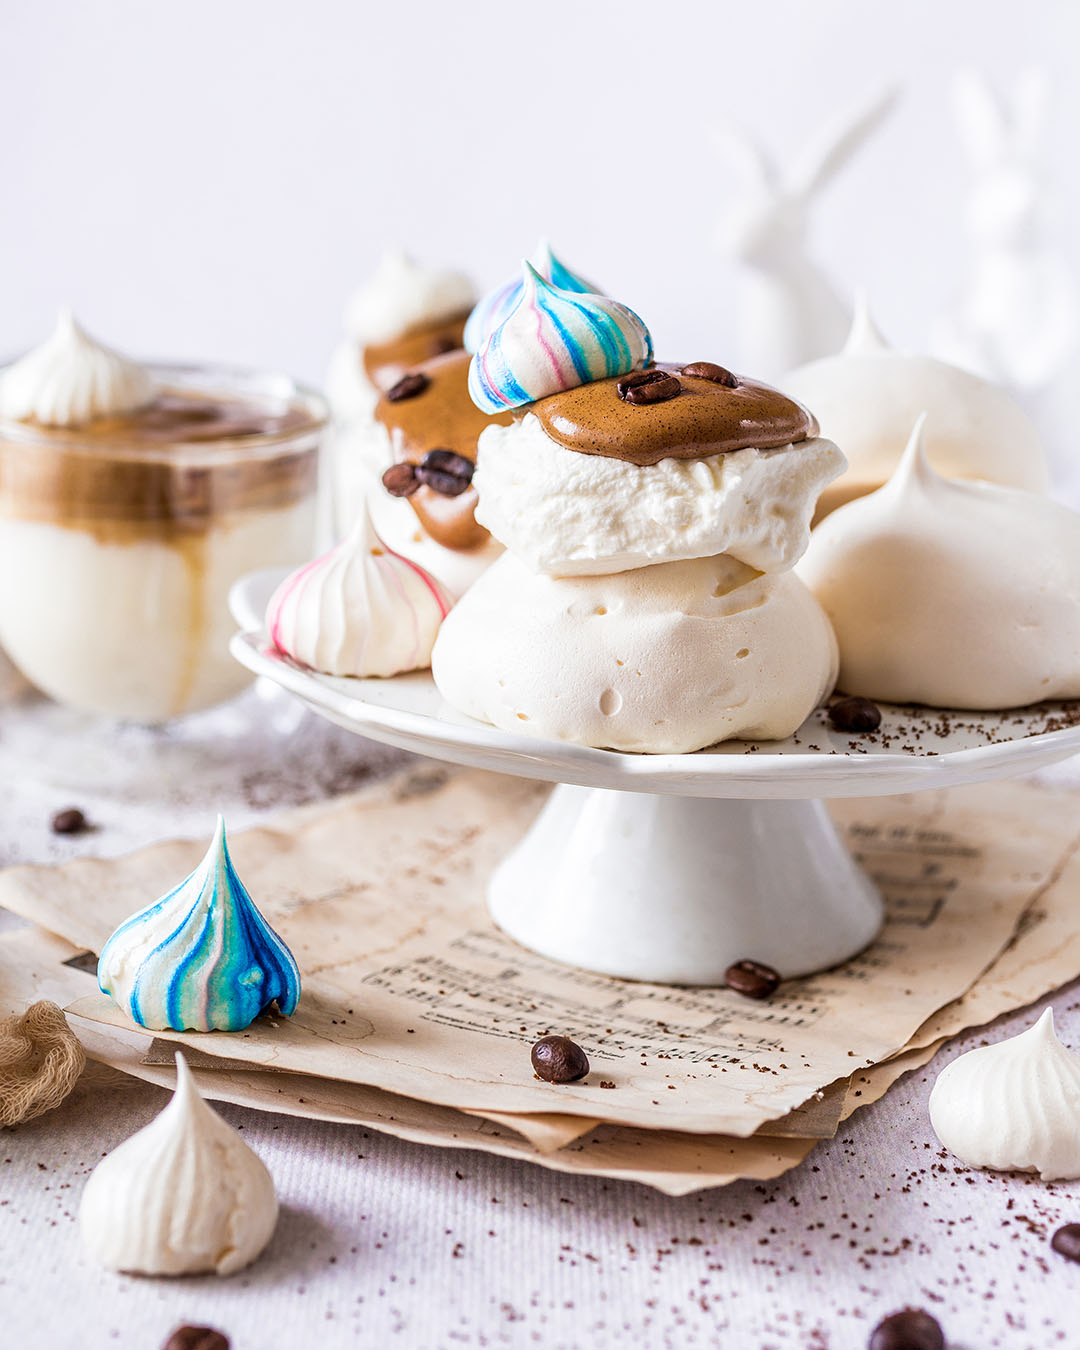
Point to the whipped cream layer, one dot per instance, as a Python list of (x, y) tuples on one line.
[(950, 593), (402, 295), (71, 379), (1013, 1106), (183, 1196), (570, 514), (663, 660), (867, 397)]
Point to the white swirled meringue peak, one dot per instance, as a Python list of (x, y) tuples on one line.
[(554, 340), (402, 295), (183, 1196), (360, 609), (71, 379), (202, 958), (951, 593), (867, 397), (490, 311), (1013, 1106)]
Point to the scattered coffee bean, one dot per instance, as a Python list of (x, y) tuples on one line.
[(557, 1059), (647, 386), (407, 387), (751, 979), (910, 1329), (709, 370), (400, 480), (196, 1338), (71, 821), (855, 714), (445, 472), (606, 1083), (1066, 1241)]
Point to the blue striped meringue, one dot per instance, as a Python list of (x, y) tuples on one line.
[(499, 304), (202, 958), (555, 340)]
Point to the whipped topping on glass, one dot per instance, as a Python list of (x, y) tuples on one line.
[(867, 397), (950, 593), (498, 304), (569, 514), (183, 1196), (202, 958), (660, 660), (71, 379), (360, 609), (1013, 1106), (554, 340), (402, 294)]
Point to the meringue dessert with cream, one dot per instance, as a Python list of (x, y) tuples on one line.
[(951, 593), (131, 498), (868, 396), (652, 514)]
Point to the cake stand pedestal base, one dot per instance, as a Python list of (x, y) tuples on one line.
[(673, 890)]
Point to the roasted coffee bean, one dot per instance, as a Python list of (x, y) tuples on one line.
[(71, 821), (911, 1329), (445, 472), (196, 1338), (1066, 1241), (855, 714), (709, 370), (408, 386), (647, 386), (751, 979), (400, 480), (557, 1059)]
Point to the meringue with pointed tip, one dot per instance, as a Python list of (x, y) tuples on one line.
[(360, 609), (1013, 1106), (950, 593), (498, 304), (402, 295), (71, 379), (202, 958), (867, 397), (183, 1196), (553, 340)]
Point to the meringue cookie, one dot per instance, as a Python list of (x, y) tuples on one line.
[(867, 398), (202, 958), (950, 593), (360, 609), (554, 340), (663, 660), (569, 514), (402, 295), (498, 304), (71, 379), (183, 1196), (1013, 1106)]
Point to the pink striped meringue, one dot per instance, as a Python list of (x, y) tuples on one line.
[(360, 609)]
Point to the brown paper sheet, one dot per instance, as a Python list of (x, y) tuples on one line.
[(408, 988)]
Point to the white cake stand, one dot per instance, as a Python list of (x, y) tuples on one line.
[(669, 868)]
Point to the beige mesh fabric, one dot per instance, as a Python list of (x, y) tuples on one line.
[(40, 1059)]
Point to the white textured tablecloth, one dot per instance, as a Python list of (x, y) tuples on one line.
[(386, 1243)]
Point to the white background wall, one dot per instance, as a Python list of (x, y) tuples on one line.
[(209, 178)]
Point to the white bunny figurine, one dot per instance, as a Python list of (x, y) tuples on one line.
[(789, 312), (1015, 318)]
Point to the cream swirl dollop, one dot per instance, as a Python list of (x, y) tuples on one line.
[(1013, 1106), (183, 1196), (490, 311), (360, 609), (554, 340), (71, 379), (402, 295), (202, 958), (951, 593)]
